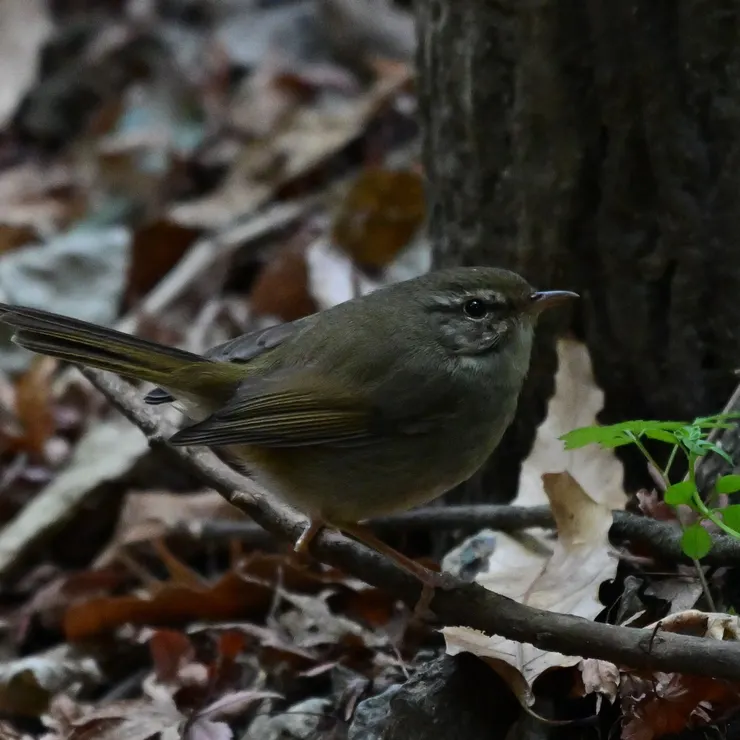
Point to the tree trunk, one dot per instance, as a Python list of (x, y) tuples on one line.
[(594, 145)]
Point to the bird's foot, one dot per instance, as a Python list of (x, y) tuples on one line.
[(303, 543), (430, 582)]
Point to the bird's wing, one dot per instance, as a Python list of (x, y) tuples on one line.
[(243, 349), (293, 410)]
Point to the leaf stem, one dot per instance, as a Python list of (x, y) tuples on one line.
[(651, 460), (701, 507), (671, 458)]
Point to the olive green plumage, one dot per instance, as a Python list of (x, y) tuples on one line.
[(373, 406)]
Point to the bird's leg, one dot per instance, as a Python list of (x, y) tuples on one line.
[(303, 543), (429, 578)]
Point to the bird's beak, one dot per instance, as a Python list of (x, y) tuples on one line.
[(544, 299)]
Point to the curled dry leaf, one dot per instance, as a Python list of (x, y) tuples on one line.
[(576, 402), (599, 677), (566, 580), (656, 703)]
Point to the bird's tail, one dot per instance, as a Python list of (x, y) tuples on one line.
[(107, 349)]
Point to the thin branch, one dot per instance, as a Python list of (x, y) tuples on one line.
[(660, 539), (468, 604)]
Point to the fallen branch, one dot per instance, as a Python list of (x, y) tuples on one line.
[(468, 604), (660, 539)]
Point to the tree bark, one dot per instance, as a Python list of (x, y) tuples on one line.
[(594, 145)]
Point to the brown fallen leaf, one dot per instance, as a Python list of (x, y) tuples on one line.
[(271, 646), (170, 650), (281, 288), (379, 216), (34, 406), (657, 703), (238, 594), (156, 248), (565, 580), (50, 602), (12, 236)]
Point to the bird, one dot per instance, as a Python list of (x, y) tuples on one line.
[(368, 408)]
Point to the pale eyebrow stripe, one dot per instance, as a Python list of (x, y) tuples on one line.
[(488, 296)]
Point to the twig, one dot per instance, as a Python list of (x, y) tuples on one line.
[(469, 604), (661, 539)]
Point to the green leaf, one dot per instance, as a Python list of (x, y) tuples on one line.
[(616, 435), (715, 419), (724, 455), (661, 435), (731, 517), (728, 484), (587, 436), (696, 541), (679, 493)]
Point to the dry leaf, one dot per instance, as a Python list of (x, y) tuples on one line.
[(138, 719), (261, 105), (666, 703), (312, 623), (304, 140), (27, 684), (281, 288), (566, 581), (576, 402), (236, 595), (34, 405), (379, 216), (156, 249), (657, 703), (170, 650), (49, 603), (599, 677), (146, 517), (37, 200)]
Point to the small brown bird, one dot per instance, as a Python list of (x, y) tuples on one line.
[(371, 407)]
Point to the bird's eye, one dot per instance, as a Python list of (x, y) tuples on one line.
[(475, 308)]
